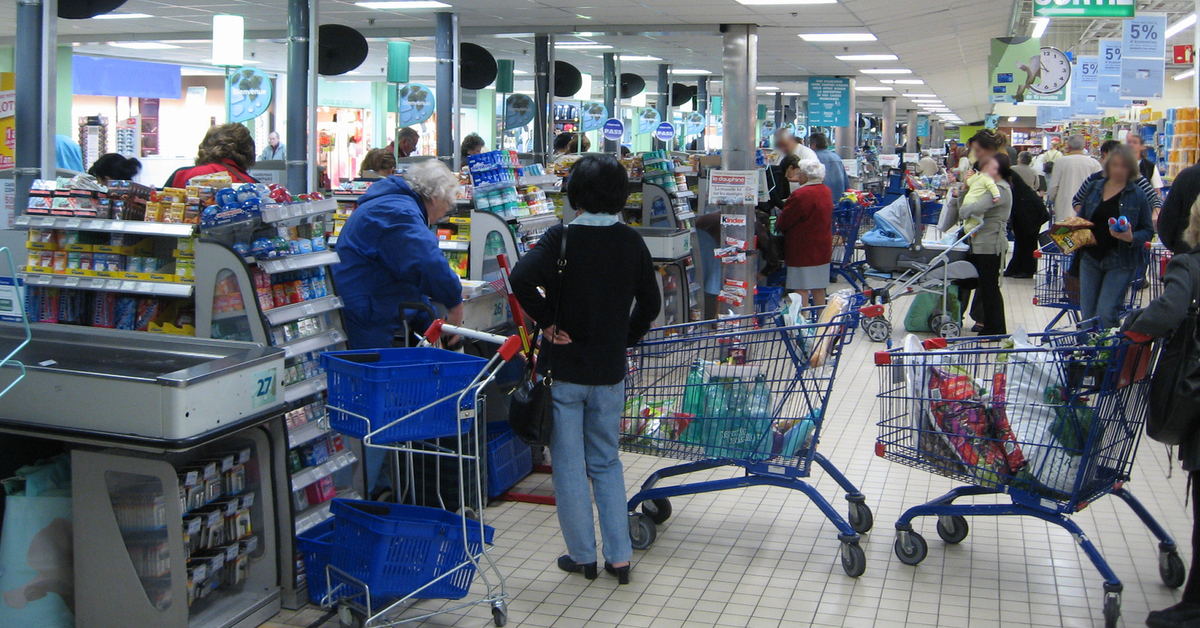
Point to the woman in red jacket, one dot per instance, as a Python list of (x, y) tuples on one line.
[(225, 148), (807, 226)]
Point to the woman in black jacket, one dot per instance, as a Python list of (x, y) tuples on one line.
[(1160, 319)]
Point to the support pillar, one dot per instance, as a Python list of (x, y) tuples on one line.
[(664, 101), (778, 109), (35, 59), (543, 96), (314, 20), (446, 47), (612, 97), (910, 143), (846, 137), (297, 97), (740, 76), (888, 126), (702, 108)]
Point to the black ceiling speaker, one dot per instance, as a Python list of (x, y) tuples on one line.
[(632, 85), (340, 49), (84, 9), (567, 79), (476, 66), (681, 94)]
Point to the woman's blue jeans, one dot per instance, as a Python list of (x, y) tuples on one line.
[(587, 425), (1103, 286)]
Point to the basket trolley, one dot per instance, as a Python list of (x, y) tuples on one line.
[(385, 556), (1157, 258), (1056, 289), (1053, 425), (846, 224), (750, 394)]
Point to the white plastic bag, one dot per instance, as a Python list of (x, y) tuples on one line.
[(1030, 371)]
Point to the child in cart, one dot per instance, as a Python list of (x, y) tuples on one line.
[(980, 185)]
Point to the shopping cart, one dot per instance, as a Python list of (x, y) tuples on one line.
[(847, 220), (1053, 425), (747, 395), (385, 556), (1055, 288), (1157, 258)]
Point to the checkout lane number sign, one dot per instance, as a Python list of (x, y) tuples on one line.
[(264, 385), (613, 130)]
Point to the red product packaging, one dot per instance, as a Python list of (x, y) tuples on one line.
[(322, 491), (265, 300), (221, 303), (279, 294), (235, 302), (336, 442), (292, 292), (48, 305), (147, 311)]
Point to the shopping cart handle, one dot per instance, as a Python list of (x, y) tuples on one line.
[(1138, 337), (511, 347), (440, 327)]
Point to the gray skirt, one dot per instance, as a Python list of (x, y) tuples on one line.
[(808, 277)]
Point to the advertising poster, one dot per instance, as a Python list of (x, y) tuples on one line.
[(828, 101), (1108, 81), (250, 94), (415, 104), (518, 111), (648, 120), (1143, 57), (8, 112), (733, 187), (592, 116)]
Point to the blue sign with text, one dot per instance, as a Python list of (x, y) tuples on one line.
[(828, 101)]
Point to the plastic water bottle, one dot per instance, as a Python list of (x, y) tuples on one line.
[(694, 391), (1119, 225), (738, 398), (759, 404), (716, 400)]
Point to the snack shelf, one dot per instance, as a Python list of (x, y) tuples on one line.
[(299, 262), (300, 390), (305, 433), (454, 245), (539, 221), (137, 227), (311, 475), (312, 343), (224, 316), (292, 211), (312, 307), (539, 181), (175, 289), (320, 513)]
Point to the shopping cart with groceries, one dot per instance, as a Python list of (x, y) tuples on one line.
[(1052, 420), (847, 220), (740, 392), (1056, 285), (380, 558)]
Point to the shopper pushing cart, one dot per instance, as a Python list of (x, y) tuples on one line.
[(1055, 425), (747, 394)]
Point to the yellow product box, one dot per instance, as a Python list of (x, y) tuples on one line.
[(159, 277), (78, 272), (81, 248), (168, 328), (177, 253), (41, 246), (108, 274), (39, 269), (458, 220), (108, 248)]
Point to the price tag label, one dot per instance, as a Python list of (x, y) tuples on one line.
[(97, 224), (290, 263), (309, 309), (74, 223), (117, 225), (23, 220), (128, 286), (49, 221), (144, 286), (71, 282), (112, 284)]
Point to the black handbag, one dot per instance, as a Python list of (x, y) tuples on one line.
[(1174, 409), (531, 406)]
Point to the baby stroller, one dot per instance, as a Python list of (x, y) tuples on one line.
[(895, 251)]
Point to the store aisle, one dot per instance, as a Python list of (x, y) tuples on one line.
[(765, 558)]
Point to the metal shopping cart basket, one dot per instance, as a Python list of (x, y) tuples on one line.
[(746, 395), (1053, 425), (1055, 288), (847, 221), (384, 556), (1157, 258)]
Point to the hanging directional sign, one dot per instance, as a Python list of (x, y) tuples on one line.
[(1083, 8)]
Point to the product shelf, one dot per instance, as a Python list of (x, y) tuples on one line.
[(453, 245), (539, 181), (684, 194), (137, 227), (538, 221), (288, 313), (299, 262), (311, 475), (292, 211), (300, 390), (175, 289), (224, 316), (320, 341), (305, 433), (320, 513)]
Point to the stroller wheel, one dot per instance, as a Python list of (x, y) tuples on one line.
[(936, 320), (949, 329), (879, 330)]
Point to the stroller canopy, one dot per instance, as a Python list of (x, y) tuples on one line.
[(896, 220)]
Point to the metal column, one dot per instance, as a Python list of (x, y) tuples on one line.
[(888, 126), (35, 58), (910, 143), (612, 96), (664, 101), (740, 61), (314, 20), (1196, 79), (846, 137), (702, 109), (297, 97), (446, 47), (543, 96), (778, 110)]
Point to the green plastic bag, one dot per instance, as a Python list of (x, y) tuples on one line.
[(926, 305)]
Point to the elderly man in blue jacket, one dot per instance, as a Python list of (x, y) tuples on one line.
[(835, 170)]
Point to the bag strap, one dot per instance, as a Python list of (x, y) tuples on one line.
[(1194, 306), (561, 265)]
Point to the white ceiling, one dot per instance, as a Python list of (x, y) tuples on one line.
[(945, 42)]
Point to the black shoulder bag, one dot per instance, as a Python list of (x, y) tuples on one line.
[(1174, 412), (531, 407)]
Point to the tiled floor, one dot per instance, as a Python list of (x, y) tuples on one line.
[(767, 558)]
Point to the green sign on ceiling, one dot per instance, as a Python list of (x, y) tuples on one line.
[(1083, 8)]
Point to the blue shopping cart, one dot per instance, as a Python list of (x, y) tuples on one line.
[(1056, 288), (744, 393), (1054, 426)]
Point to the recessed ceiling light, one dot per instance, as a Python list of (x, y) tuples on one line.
[(402, 4), (1039, 26), (886, 71), (1013, 118), (867, 57), (837, 37), (767, 88), (873, 89), (422, 59), (122, 16), (639, 58), (141, 45), (693, 72)]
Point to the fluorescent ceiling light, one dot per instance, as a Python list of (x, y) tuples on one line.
[(426, 60), (791, 93), (902, 81), (767, 88), (1013, 118), (837, 37), (778, 2), (927, 101), (122, 16), (695, 72), (583, 45), (514, 71), (1039, 26), (639, 58), (874, 89), (141, 45), (920, 95), (403, 4), (1181, 25), (244, 62), (867, 57), (886, 71), (1184, 75)]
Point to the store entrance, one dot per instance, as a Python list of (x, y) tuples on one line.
[(343, 138)]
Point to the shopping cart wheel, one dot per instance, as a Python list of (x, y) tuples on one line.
[(950, 329), (642, 532), (1112, 609), (879, 330), (860, 517), (659, 510), (953, 529), (1170, 568), (911, 547), (349, 618), (500, 614), (854, 560)]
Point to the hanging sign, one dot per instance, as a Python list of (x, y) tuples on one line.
[(828, 101), (1185, 53), (664, 132), (1083, 8), (592, 116), (249, 94), (693, 123), (1024, 71), (1143, 52), (1088, 72), (8, 112), (648, 120), (766, 130), (922, 126), (1108, 81), (518, 111), (414, 104), (613, 130)]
